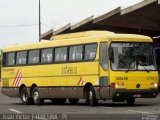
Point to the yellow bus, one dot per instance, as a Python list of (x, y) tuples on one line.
[(91, 65)]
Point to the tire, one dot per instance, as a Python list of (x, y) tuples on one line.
[(36, 97), (58, 101), (73, 101), (92, 96), (130, 101), (25, 97)]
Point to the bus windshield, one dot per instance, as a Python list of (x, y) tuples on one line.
[(132, 56)]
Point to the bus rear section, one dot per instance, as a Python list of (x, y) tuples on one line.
[(133, 72)]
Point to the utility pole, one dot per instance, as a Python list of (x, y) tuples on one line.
[(39, 21)]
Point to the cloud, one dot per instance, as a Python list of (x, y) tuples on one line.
[(54, 14)]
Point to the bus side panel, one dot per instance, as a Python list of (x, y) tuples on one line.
[(86, 72), (54, 80)]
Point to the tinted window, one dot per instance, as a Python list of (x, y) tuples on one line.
[(46, 55), (61, 54), (34, 56), (90, 51), (75, 53), (104, 56), (10, 58), (21, 58), (4, 61)]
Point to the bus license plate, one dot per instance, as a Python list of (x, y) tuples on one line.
[(137, 95)]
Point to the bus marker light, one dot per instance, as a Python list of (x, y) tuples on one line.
[(112, 85), (154, 85), (119, 85)]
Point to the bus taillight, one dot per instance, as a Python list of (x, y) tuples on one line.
[(112, 85)]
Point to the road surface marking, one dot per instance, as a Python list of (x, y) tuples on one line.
[(140, 111), (13, 110)]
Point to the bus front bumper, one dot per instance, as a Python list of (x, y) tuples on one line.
[(122, 94)]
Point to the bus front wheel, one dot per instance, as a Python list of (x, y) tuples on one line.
[(92, 97), (36, 97), (130, 101)]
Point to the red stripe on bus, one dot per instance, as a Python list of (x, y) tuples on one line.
[(15, 78), (18, 77)]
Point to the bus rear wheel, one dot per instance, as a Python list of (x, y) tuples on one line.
[(92, 96), (36, 97), (25, 97), (73, 101), (130, 101)]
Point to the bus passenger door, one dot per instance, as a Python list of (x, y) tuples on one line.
[(103, 71)]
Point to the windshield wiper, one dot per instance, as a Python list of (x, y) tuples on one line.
[(129, 67), (145, 67)]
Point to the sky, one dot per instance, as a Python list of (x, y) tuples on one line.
[(19, 18)]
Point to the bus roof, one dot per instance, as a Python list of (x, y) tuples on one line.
[(80, 34), (80, 38)]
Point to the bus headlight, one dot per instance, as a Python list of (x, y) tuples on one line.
[(119, 85), (154, 85)]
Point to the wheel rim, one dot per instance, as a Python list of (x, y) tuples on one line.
[(90, 95), (36, 96), (24, 96)]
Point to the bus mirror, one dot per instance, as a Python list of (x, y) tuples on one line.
[(110, 53)]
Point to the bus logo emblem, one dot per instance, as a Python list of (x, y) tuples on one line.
[(138, 85)]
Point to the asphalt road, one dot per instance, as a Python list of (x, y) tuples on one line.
[(12, 108)]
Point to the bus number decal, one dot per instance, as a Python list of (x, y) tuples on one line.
[(121, 78), (69, 70)]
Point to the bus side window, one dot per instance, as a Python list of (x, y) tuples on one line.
[(21, 58), (104, 56), (47, 55), (60, 54), (33, 56), (90, 51), (75, 53), (10, 58)]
